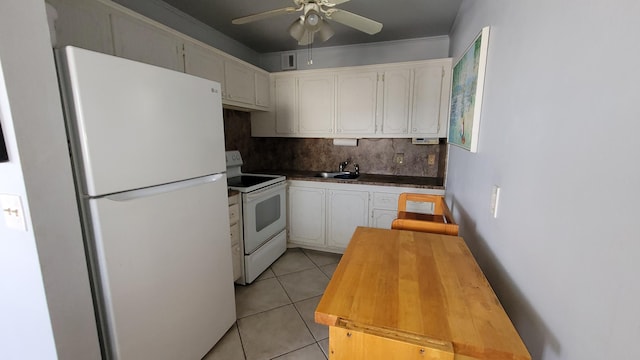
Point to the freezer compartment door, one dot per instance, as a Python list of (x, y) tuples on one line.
[(164, 263), (134, 125)]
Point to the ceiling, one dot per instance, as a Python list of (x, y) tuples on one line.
[(401, 19)]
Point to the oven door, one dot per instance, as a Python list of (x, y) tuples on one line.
[(264, 215)]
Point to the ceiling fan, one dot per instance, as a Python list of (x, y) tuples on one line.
[(313, 20)]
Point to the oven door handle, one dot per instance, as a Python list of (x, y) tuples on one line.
[(261, 193)]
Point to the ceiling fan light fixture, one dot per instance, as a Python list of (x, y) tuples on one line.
[(297, 30), (326, 32), (312, 20), (307, 38)]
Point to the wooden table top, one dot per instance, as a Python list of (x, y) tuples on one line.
[(419, 286)]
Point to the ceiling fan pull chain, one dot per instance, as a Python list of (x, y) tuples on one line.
[(310, 51)]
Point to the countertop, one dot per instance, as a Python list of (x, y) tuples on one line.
[(365, 179), (422, 287)]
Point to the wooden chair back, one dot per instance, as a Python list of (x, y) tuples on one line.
[(440, 222)]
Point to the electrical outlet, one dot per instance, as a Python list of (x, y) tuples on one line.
[(431, 159), (399, 158)]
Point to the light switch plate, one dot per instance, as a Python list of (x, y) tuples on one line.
[(11, 207), (495, 199)]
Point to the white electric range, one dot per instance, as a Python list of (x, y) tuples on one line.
[(263, 216)]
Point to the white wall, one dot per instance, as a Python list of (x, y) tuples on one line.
[(45, 303), (362, 54), (559, 133), (188, 25)]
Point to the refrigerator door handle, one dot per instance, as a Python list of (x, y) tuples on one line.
[(154, 190)]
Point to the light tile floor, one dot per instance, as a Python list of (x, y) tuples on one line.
[(275, 312)]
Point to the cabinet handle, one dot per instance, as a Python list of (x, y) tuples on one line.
[(414, 130)]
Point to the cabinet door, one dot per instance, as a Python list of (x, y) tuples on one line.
[(239, 82), (137, 40), (263, 89), (286, 111), (382, 219), (204, 63), (396, 102), (357, 99), (346, 211), (83, 24), (306, 215), (427, 93), (316, 104)]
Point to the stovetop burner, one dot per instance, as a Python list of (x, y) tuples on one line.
[(247, 180), (245, 183)]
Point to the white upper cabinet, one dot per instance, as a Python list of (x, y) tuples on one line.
[(356, 104), (240, 83), (316, 104), (432, 84), (104, 26), (400, 100), (84, 24), (138, 40), (396, 100), (203, 62), (285, 108), (263, 89)]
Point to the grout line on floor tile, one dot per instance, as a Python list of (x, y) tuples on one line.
[(289, 352), (264, 311), (244, 353)]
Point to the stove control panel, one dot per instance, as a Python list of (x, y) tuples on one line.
[(233, 158)]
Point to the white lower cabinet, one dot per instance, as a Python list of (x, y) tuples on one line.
[(346, 210), (382, 219), (306, 215), (324, 215)]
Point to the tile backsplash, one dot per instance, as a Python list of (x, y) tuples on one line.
[(374, 156)]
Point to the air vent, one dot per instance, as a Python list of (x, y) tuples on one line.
[(289, 61)]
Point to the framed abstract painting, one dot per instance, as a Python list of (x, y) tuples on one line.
[(466, 94)]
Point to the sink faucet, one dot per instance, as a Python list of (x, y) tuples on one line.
[(343, 165)]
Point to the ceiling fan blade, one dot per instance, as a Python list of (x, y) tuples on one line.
[(263, 15), (337, 2), (355, 21)]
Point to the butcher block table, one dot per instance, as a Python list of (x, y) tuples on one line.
[(405, 295)]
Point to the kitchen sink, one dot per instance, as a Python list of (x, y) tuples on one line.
[(338, 175)]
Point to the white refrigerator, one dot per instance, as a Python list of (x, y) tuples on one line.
[(147, 145)]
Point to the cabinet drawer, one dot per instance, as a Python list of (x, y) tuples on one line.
[(234, 199), (235, 233), (234, 213), (235, 260), (385, 201)]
